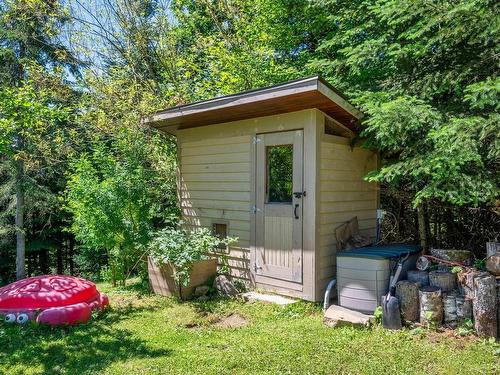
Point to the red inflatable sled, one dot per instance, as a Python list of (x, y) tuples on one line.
[(51, 299)]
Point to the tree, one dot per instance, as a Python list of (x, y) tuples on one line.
[(425, 73), (28, 31), (28, 124), (114, 195)]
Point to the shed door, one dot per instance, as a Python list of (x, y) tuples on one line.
[(279, 191)]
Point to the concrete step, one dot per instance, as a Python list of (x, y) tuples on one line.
[(337, 316), (269, 298)]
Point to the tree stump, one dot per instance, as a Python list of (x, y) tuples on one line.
[(431, 306), (450, 308), (464, 309), (485, 305), (444, 280), (407, 294), (419, 277)]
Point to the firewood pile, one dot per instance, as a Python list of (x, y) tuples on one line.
[(447, 290)]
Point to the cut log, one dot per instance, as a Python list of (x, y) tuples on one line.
[(485, 305), (407, 294), (419, 277), (450, 308), (466, 282), (462, 256), (493, 264), (498, 308), (431, 306), (492, 248), (444, 280), (464, 309)]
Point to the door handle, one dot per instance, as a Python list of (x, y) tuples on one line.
[(295, 211)]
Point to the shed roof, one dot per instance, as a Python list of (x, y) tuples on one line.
[(312, 92)]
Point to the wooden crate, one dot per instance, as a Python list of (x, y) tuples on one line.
[(162, 281)]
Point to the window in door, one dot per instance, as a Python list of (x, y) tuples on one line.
[(279, 174)]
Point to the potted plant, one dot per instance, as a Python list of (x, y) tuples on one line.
[(180, 260)]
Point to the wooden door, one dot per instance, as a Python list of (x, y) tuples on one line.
[(278, 207)]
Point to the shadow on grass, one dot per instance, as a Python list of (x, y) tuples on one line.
[(83, 349)]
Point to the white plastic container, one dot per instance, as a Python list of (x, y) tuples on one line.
[(363, 274)]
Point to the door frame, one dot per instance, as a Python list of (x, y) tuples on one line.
[(263, 209), (288, 287)]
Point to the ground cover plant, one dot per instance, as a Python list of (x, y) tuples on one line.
[(147, 334)]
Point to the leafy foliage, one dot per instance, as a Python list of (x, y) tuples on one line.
[(113, 197), (182, 248)]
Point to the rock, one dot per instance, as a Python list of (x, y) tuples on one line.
[(201, 290), (338, 316), (225, 287), (203, 298), (452, 255)]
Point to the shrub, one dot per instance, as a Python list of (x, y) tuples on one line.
[(182, 248)]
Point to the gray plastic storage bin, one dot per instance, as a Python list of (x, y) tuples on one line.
[(363, 274)]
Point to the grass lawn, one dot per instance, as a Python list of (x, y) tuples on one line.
[(144, 334)]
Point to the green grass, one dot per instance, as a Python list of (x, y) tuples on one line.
[(144, 334)]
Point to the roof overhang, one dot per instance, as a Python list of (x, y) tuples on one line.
[(307, 93)]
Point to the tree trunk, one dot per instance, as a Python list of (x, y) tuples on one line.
[(59, 259), (71, 252), (19, 222), (407, 294), (422, 227), (485, 305)]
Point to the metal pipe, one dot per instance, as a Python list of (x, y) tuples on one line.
[(326, 302)]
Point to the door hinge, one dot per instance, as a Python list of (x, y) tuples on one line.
[(255, 209), (256, 267), (255, 140)]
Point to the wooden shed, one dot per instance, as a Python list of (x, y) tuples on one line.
[(275, 168)]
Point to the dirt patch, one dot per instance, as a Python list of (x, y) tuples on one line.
[(191, 325), (232, 321)]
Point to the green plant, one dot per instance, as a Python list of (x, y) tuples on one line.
[(378, 314), (480, 264), (466, 329), (182, 248), (456, 269)]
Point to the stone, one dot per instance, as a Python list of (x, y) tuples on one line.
[(201, 290), (203, 298), (225, 287), (338, 316)]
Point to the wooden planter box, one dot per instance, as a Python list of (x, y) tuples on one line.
[(162, 281)]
